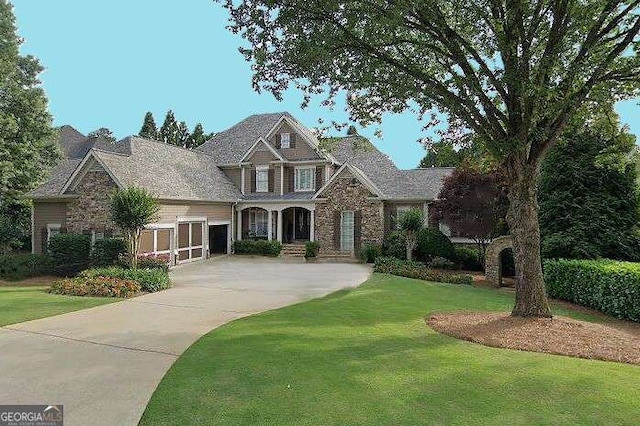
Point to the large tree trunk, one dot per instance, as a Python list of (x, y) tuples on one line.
[(522, 217)]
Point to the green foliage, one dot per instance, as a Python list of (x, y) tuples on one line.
[(154, 262), (370, 252), (150, 280), (262, 247), (609, 286), (10, 235), (168, 132), (21, 266), (311, 249), (395, 245), (107, 252), (131, 210), (411, 221), (442, 263), (468, 258), (184, 136), (197, 138), (589, 201), (149, 129), (104, 133), (417, 270), (96, 286), (441, 155), (71, 253), (431, 242)]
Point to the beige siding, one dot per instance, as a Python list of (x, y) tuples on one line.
[(44, 213), (301, 151), (235, 175), (262, 158), (169, 212), (276, 179)]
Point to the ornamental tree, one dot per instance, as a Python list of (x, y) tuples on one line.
[(514, 72), (131, 210), (411, 222)]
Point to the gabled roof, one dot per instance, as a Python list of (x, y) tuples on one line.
[(57, 179), (75, 145), (229, 146), (255, 146), (357, 173)]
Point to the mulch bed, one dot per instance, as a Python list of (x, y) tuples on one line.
[(557, 335)]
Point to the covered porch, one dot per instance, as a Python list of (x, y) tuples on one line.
[(287, 223)]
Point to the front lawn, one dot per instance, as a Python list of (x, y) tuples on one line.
[(366, 357), (18, 304)]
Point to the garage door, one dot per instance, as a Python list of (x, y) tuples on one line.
[(155, 241), (190, 241)]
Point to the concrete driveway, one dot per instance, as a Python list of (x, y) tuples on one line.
[(104, 363)]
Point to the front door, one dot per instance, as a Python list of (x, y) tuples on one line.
[(302, 224)]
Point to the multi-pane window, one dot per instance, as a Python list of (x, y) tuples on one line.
[(53, 229), (258, 223), (347, 225), (305, 178), (262, 179), (285, 140)]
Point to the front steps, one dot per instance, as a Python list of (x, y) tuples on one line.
[(293, 250)]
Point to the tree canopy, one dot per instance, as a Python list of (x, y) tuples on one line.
[(513, 72), (102, 132)]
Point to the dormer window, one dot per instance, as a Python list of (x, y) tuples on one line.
[(285, 140)]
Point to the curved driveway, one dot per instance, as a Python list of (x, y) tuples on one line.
[(104, 363)]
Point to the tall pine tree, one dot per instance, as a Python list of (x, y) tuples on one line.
[(169, 131), (149, 129), (183, 135), (197, 137)]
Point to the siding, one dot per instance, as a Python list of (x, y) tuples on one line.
[(301, 151), (44, 213), (169, 212), (235, 175), (262, 158), (390, 214)]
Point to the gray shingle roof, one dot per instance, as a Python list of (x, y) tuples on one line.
[(72, 142), (427, 182), (168, 171), (58, 177), (228, 146)]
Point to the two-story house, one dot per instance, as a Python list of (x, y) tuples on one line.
[(266, 177)]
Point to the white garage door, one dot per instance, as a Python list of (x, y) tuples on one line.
[(190, 241)]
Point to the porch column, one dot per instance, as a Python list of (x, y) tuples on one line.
[(270, 225), (312, 226), (279, 227), (239, 232)]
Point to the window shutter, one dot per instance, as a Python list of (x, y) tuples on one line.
[(271, 179), (336, 229), (292, 140), (278, 144), (357, 231), (253, 180), (318, 177), (292, 176)]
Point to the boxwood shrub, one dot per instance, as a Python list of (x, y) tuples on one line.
[(413, 269), (106, 252), (433, 243), (71, 253), (21, 265), (261, 247), (150, 280), (609, 286)]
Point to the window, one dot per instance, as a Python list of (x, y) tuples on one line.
[(52, 229), (347, 222), (305, 178), (190, 240), (262, 179), (258, 223), (285, 140), (96, 236)]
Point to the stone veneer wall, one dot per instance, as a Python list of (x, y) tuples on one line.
[(90, 211), (348, 193)]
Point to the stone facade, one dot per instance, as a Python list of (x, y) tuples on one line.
[(347, 193), (90, 211), (492, 259)]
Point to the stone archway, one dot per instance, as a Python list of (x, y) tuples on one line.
[(492, 263)]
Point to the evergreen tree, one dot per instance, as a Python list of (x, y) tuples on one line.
[(102, 132), (441, 155), (183, 135), (169, 131), (352, 131), (589, 199), (149, 129), (197, 137)]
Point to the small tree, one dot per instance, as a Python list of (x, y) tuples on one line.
[(131, 210), (411, 222)]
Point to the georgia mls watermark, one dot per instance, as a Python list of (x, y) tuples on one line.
[(31, 415)]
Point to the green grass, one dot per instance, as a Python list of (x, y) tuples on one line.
[(18, 304), (366, 357)]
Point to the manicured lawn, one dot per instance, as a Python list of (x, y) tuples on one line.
[(18, 304), (366, 357)]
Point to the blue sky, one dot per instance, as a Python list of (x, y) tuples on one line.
[(108, 62)]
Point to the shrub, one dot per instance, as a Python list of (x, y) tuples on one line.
[(154, 261), (395, 245), (609, 286), (96, 286), (107, 252), (433, 243), (71, 253), (150, 280), (417, 270), (370, 252), (21, 266), (468, 258), (261, 247), (311, 249), (442, 263)]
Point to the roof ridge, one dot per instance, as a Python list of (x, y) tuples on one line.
[(164, 144)]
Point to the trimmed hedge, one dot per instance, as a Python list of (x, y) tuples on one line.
[(370, 252), (150, 280), (433, 243), (71, 253), (261, 247), (609, 286), (95, 286), (311, 249), (107, 252), (468, 258), (413, 269), (21, 266)]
